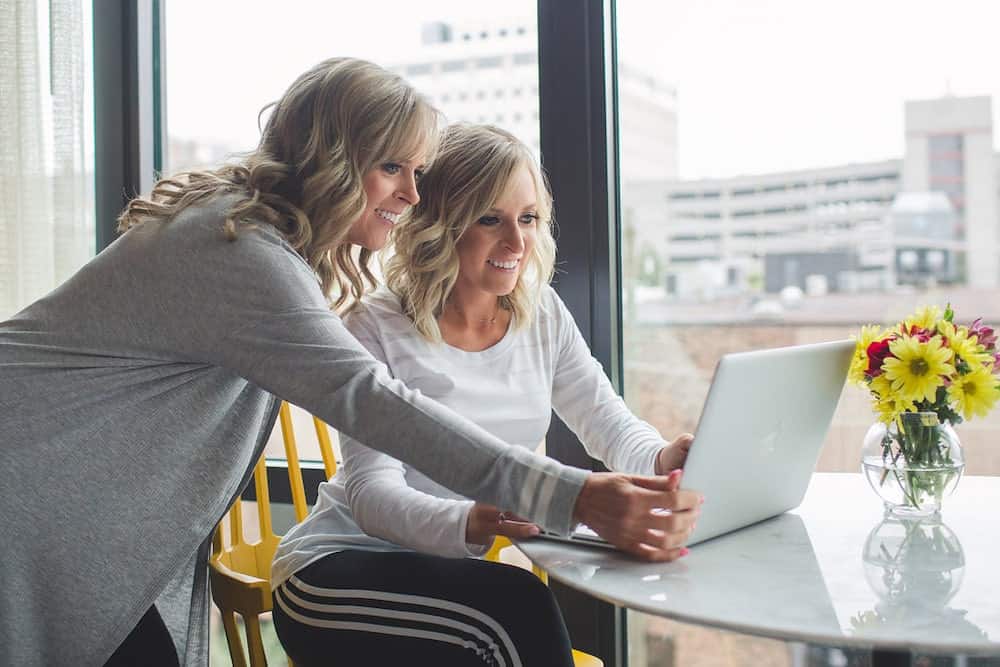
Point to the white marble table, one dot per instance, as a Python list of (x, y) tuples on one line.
[(831, 572)]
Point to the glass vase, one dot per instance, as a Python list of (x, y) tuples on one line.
[(913, 463)]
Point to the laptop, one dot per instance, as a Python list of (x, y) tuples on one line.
[(759, 435)]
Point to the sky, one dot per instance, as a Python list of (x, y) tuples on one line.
[(765, 86)]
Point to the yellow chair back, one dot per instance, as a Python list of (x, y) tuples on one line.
[(240, 571)]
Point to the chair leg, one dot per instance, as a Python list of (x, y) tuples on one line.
[(255, 642), (233, 639)]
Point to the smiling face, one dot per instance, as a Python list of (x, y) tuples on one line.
[(390, 187), (493, 249)]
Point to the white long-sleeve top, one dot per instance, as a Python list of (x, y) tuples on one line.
[(377, 503)]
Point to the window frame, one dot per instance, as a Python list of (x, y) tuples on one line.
[(128, 92), (579, 145), (578, 101)]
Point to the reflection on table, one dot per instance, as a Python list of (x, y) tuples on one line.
[(835, 571), (914, 567)]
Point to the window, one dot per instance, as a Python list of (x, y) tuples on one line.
[(419, 70), (47, 220), (529, 58), (945, 143), (212, 118), (437, 46), (796, 194), (946, 168), (489, 63)]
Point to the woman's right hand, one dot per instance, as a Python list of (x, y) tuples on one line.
[(629, 512), (486, 522)]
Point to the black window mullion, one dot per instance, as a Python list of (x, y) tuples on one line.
[(579, 152), (124, 109)]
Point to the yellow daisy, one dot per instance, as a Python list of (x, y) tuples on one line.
[(925, 317), (916, 370), (965, 346), (859, 363), (888, 405), (974, 393)]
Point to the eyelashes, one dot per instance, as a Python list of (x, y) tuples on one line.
[(393, 168), (524, 218)]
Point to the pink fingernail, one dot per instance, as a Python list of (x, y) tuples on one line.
[(685, 551)]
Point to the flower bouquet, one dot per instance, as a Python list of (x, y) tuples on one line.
[(925, 375)]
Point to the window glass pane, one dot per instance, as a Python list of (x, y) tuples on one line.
[(945, 143), (780, 187), (473, 66), (46, 149), (455, 52)]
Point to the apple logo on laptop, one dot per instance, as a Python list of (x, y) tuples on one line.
[(767, 445)]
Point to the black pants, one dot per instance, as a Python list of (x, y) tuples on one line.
[(372, 608), (149, 645)]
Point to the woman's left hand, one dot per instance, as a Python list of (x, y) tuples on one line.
[(673, 455), (486, 522)]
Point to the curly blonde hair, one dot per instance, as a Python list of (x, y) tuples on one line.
[(474, 167), (336, 122)]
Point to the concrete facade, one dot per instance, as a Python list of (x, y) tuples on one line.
[(487, 72), (931, 217), (949, 148)]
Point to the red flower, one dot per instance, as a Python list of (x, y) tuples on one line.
[(985, 335), (877, 352), (921, 334)]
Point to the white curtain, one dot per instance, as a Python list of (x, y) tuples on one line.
[(46, 174)]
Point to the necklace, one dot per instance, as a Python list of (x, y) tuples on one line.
[(480, 320)]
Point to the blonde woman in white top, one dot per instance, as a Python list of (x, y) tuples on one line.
[(383, 569)]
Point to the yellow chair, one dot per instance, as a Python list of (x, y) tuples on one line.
[(240, 572)]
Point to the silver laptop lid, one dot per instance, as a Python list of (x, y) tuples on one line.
[(761, 430)]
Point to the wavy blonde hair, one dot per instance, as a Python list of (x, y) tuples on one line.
[(474, 167), (335, 123)]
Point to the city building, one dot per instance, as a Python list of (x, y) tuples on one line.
[(931, 217), (949, 149), (487, 72)]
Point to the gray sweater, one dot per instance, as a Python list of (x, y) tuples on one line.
[(134, 400)]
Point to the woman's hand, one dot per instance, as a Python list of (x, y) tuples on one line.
[(673, 455), (486, 522), (628, 511)]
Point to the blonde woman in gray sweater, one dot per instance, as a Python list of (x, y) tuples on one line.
[(135, 398)]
